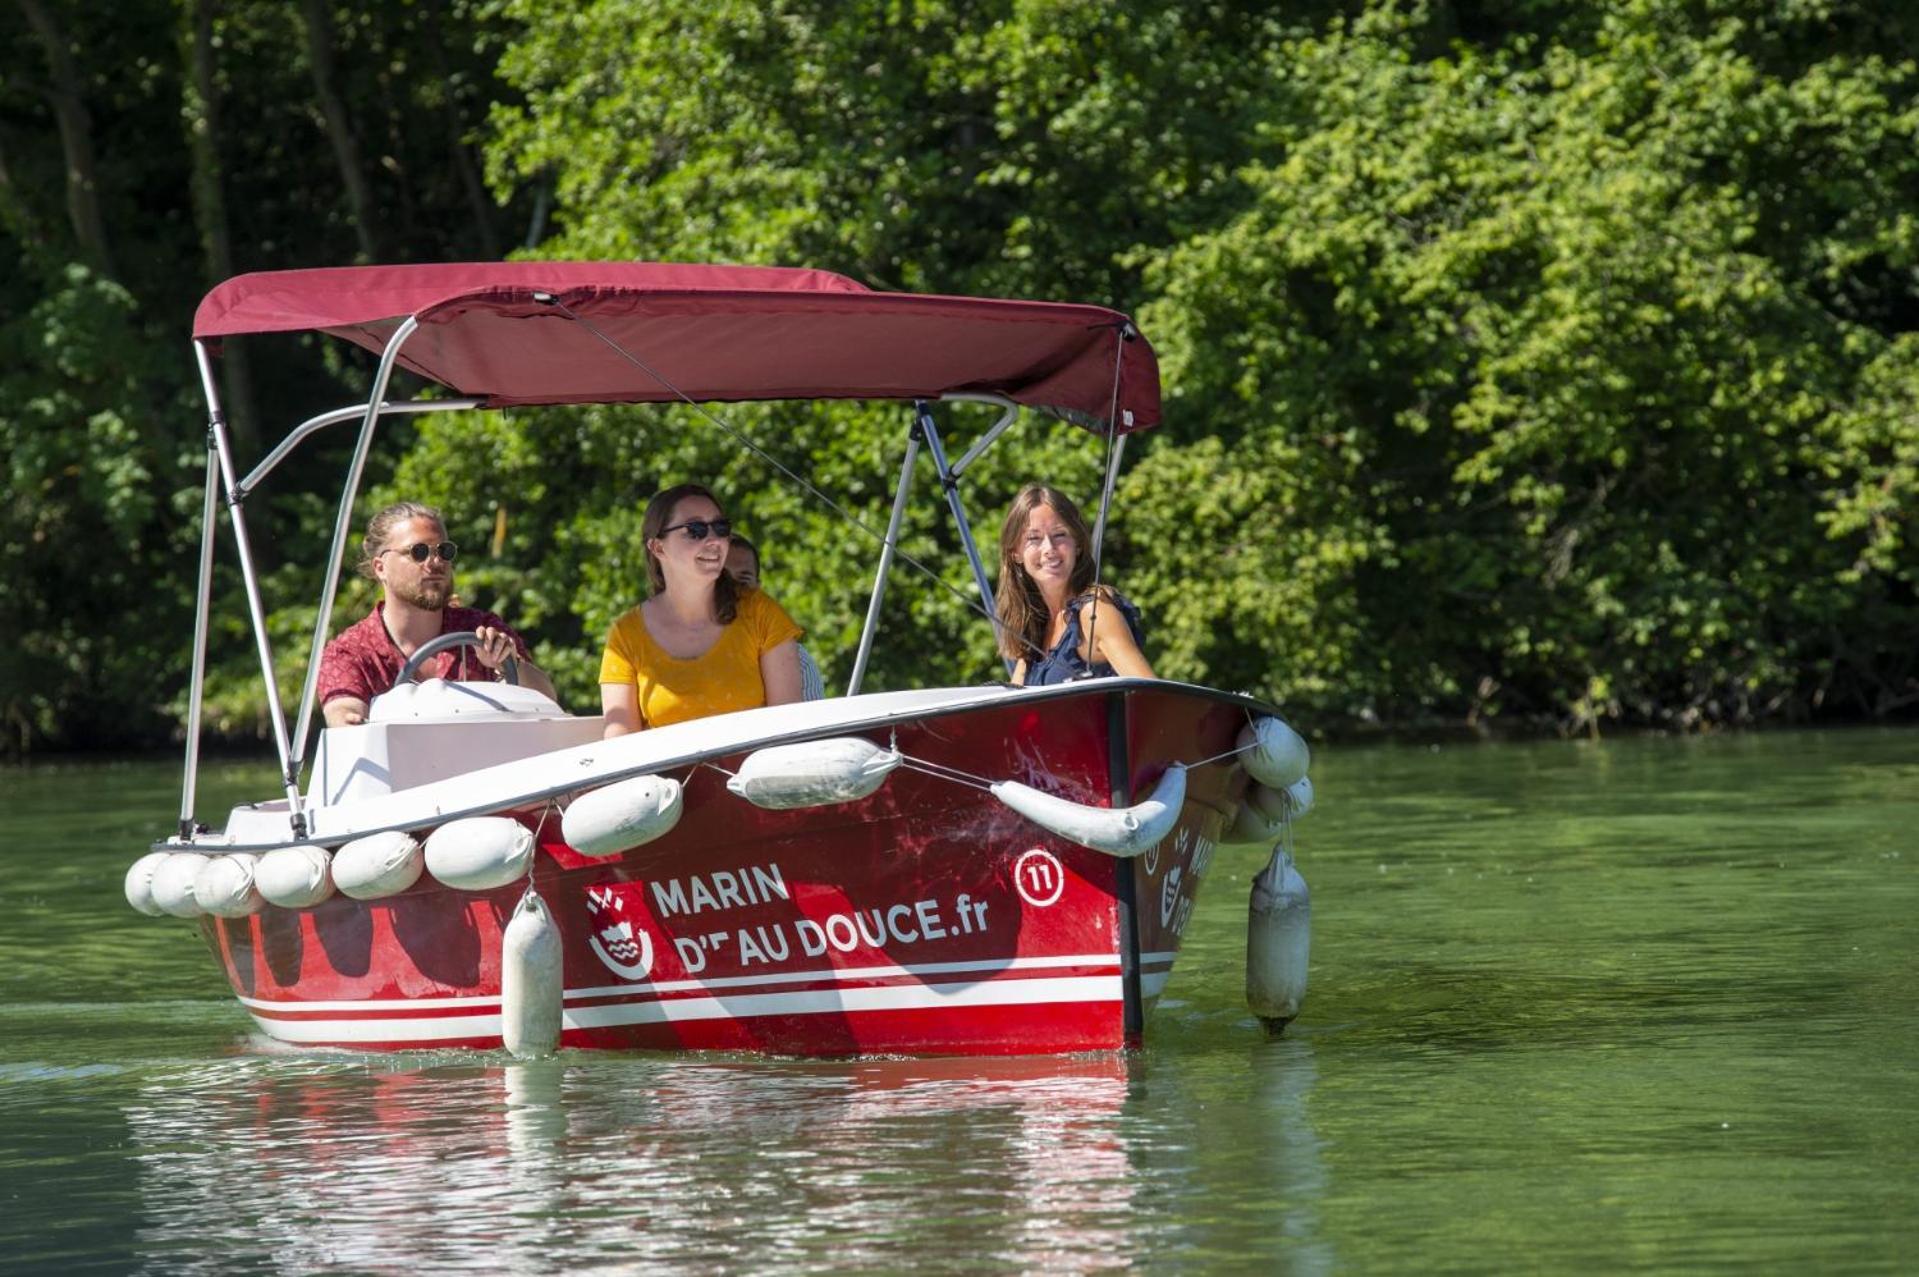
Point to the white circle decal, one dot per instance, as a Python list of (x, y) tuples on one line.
[(1039, 877)]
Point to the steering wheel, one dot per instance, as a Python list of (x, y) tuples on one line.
[(509, 668)]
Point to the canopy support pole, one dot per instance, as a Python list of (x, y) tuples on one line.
[(1106, 495), (872, 626), (325, 419), (342, 525), (1008, 415), (236, 511), (949, 482), (202, 606)]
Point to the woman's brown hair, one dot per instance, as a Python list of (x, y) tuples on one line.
[(726, 595), (1021, 608)]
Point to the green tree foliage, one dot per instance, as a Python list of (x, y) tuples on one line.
[(1033, 149), (1526, 360), (1570, 381), (107, 241)]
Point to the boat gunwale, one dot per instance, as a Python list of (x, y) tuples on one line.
[(1114, 686)]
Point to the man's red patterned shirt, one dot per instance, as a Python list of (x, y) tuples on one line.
[(363, 660)]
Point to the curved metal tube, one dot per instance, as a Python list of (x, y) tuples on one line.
[(202, 604), (341, 525), (949, 481), (998, 428), (334, 418), (872, 625), (217, 425)]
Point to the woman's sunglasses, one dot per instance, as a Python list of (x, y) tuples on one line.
[(700, 529), (421, 551)]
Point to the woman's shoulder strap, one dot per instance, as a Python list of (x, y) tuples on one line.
[(1104, 594), (1110, 597)]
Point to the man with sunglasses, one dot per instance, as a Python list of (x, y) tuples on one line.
[(406, 551)]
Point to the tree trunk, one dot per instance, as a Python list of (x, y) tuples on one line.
[(486, 234), (339, 128), (76, 139), (202, 114)]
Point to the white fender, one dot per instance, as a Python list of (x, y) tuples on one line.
[(1300, 793), (1279, 929), (480, 852), (531, 988), (1273, 754), (619, 817), (1117, 831), (1263, 812), (173, 882), (295, 877), (139, 884), (224, 886), (377, 865), (814, 773)]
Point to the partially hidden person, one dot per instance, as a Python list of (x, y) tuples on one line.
[(1055, 624), (743, 565), (406, 550), (698, 644)]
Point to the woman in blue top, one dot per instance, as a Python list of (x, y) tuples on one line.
[(1054, 623)]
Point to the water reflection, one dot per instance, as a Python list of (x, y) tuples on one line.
[(1295, 1173), (1573, 1008), (673, 1164)]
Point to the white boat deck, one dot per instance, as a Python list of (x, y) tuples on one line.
[(403, 774)]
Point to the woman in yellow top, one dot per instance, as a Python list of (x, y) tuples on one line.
[(698, 645)]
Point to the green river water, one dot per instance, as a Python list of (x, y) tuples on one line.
[(1646, 1004)]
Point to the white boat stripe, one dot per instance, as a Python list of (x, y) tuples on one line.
[(684, 986), (857, 973), (1095, 989)]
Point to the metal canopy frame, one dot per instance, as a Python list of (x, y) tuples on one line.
[(221, 474)]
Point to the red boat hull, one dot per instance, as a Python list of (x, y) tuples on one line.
[(925, 919)]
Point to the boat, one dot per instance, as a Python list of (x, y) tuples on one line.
[(983, 870)]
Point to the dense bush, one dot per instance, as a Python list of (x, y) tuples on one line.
[(1525, 362)]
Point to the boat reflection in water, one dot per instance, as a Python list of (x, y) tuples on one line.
[(677, 1164), (336, 1163)]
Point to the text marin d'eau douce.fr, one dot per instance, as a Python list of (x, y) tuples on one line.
[(876, 926)]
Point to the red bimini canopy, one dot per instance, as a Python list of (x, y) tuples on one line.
[(649, 332)]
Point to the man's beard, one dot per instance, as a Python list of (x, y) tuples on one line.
[(429, 595)]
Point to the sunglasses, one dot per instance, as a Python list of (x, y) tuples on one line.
[(700, 529), (421, 551)]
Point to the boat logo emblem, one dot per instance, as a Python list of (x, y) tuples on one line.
[(1169, 896), (625, 951), (1039, 877)]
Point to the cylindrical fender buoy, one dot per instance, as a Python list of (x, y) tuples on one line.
[(1300, 794), (479, 852), (1263, 812), (532, 988), (1278, 942), (1273, 754), (1117, 831), (622, 816), (295, 877), (377, 865), (814, 773), (224, 886), (173, 884), (139, 884)]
